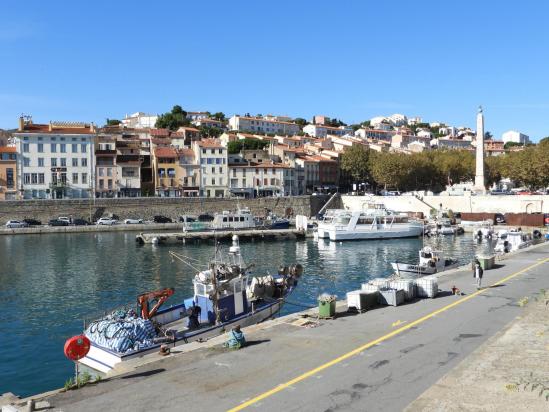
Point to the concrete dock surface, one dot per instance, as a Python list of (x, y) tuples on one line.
[(381, 360)]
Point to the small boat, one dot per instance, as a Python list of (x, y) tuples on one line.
[(274, 222), (225, 296), (513, 240), (484, 231), (373, 222), (430, 262), (240, 219)]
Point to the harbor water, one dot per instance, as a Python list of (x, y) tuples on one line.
[(50, 283)]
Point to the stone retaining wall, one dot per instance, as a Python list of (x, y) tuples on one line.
[(147, 207)]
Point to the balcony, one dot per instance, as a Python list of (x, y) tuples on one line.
[(128, 159), (59, 185), (168, 182), (105, 152)]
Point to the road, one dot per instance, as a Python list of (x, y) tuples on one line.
[(380, 360)]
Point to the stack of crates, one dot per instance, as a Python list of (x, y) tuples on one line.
[(407, 285), (427, 287)]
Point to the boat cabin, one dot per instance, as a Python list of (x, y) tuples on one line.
[(231, 300), (241, 219)]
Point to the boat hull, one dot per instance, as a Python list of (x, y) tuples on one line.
[(104, 360), (373, 234)]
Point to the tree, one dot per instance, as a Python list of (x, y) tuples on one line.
[(246, 144), (208, 131), (113, 122), (488, 136), (508, 145), (355, 161), (219, 116), (300, 121), (173, 120)]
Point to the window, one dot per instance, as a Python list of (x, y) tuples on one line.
[(84, 178), (220, 151), (101, 184), (34, 178), (26, 162), (41, 178), (74, 139), (53, 162), (53, 147), (213, 169), (74, 162), (213, 180), (244, 182), (84, 162), (220, 169), (74, 148), (25, 147), (40, 147), (110, 184), (109, 171), (210, 160), (100, 171), (9, 178), (234, 172), (63, 148), (63, 162), (221, 181), (40, 162), (203, 151), (203, 161), (27, 178), (62, 139), (212, 151), (83, 147), (218, 161)]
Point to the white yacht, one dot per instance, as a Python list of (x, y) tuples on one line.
[(484, 231), (375, 222), (512, 241), (430, 262)]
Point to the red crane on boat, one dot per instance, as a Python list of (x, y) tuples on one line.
[(146, 299)]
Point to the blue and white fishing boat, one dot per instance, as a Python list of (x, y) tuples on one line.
[(225, 295)]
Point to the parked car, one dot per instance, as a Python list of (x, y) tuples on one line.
[(65, 219), (57, 222), (187, 219), (12, 224), (133, 221), (80, 222), (162, 219), (106, 221), (32, 222), (525, 193), (500, 218)]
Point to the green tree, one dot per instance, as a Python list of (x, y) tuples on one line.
[(219, 116), (488, 136), (300, 121), (246, 144), (113, 122), (208, 131), (508, 145), (173, 120), (355, 162)]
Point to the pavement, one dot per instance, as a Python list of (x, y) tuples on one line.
[(381, 360)]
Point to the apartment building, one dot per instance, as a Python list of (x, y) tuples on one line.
[(376, 134), (8, 173), (128, 167), (321, 131), (262, 125), (105, 166), (259, 179), (56, 160), (139, 120), (212, 158), (176, 173), (515, 137), (318, 173)]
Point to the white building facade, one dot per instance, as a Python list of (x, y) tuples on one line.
[(515, 137), (56, 160), (139, 120), (317, 130), (262, 125), (211, 155)]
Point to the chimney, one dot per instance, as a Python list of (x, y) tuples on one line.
[(92, 127), (50, 127), (21, 123)]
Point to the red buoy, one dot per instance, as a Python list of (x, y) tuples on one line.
[(77, 347)]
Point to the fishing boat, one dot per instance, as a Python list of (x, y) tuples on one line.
[(513, 240), (430, 262), (373, 222), (484, 231), (226, 295)]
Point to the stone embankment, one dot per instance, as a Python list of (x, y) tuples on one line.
[(147, 207)]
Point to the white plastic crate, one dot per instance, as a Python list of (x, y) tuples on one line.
[(368, 287), (427, 287), (381, 282), (407, 285)]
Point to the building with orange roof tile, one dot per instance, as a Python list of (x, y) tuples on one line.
[(212, 157), (55, 160), (176, 172), (8, 173)]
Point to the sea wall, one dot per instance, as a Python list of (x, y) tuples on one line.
[(471, 204), (147, 207)]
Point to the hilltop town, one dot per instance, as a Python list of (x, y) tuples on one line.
[(190, 154)]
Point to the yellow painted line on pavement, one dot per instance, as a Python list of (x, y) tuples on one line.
[(368, 345)]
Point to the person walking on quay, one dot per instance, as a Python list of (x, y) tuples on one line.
[(477, 272)]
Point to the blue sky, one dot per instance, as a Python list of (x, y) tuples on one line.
[(86, 61)]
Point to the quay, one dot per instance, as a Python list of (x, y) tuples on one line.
[(243, 234), (119, 227), (382, 360)]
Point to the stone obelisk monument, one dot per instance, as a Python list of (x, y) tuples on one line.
[(479, 174)]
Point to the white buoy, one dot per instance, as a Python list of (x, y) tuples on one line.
[(155, 240)]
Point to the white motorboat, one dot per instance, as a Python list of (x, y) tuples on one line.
[(241, 219), (512, 241), (430, 262), (375, 222), (484, 231)]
